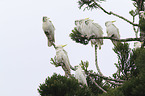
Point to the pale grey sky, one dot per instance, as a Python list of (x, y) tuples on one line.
[(24, 54)]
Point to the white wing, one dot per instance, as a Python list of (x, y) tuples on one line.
[(61, 56), (113, 31), (97, 31), (83, 27), (49, 31)]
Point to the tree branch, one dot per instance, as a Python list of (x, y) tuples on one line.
[(96, 61), (111, 13), (121, 40), (106, 78), (65, 69), (97, 84)]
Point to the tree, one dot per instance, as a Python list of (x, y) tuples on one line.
[(129, 78), (58, 85)]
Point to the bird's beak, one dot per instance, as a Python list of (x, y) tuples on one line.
[(63, 45), (141, 43), (113, 21), (86, 18)]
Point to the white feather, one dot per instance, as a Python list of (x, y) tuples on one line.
[(112, 31), (49, 29), (137, 45), (61, 56), (88, 28), (80, 76), (96, 30)]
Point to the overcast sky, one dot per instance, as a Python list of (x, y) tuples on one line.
[(24, 54)]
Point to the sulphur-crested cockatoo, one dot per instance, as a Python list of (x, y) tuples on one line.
[(80, 76), (81, 26), (112, 31), (49, 29), (62, 57), (88, 28), (96, 30), (137, 44)]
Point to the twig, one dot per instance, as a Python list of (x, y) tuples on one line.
[(115, 83), (64, 68), (74, 69), (136, 31), (105, 77), (97, 85), (53, 45)]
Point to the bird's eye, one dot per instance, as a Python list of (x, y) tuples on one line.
[(86, 22)]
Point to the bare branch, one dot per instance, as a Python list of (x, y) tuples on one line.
[(105, 77), (97, 85), (114, 83), (111, 13), (53, 45), (96, 61)]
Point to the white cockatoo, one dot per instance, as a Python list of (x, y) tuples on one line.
[(80, 76), (61, 56), (88, 28), (48, 29), (81, 26), (112, 31), (137, 44), (96, 30)]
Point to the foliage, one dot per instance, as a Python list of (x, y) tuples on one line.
[(113, 92), (97, 79), (135, 86), (89, 4), (78, 37), (126, 65), (58, 85), (131, 64)]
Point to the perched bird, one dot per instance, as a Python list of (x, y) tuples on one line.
[(112, 31), (96, 30), (48, 29), (61, 56), (81, 26), (137, 45), (80, 76), (88, 28)]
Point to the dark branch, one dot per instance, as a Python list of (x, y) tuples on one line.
[(105, 77), (97, 84), (111, 13), (121, 40)]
